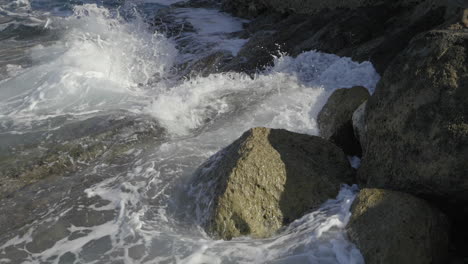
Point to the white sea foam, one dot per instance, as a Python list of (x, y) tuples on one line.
[(289, 95), (99, 63)]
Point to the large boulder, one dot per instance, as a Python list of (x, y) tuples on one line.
[(417, 120), (335, 120), (393, 227), (266, 179)]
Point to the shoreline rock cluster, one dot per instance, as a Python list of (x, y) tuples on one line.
[(412, 133)]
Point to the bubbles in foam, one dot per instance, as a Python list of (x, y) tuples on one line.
[(100, 62)]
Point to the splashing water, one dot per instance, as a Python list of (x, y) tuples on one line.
[(99, 62)]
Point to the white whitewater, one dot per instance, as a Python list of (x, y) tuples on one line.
[(98, 61)]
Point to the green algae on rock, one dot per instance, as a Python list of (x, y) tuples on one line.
[(266, 179), (394, 227)]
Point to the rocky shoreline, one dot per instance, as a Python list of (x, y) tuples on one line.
[(412, 133)]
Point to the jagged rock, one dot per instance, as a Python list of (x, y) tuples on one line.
[(394, 227), (34, 156), (359, 125), (266, 179), (335, 120), (368, 32)]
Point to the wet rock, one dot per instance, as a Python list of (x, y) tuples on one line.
[(394, 227), (198, 4), (266, 179), (310, 7), (417, 130), (335, 120), (209, 64), (359, 125), (165, 22), (31, 157), (254, 55), (375, 31), (417, 120)]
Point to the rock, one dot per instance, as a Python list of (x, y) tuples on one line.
[(335, 119), (417, 120), (266, 179), (254, 55), (165, 22), (31, 157), (359, 125), (417, 126), (368, 32), (209, 64), (394, 227), (254, 8), (198, 4)]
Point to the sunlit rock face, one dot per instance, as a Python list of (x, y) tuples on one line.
[(266, 179)]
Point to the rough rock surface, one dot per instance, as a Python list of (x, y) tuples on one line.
[(394, 227), (371, 32), (335, 120), (417, 120), (266, 179)]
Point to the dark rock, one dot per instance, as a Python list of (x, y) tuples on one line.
[(335, 120), (394, 227), (198, 4), (34, 156), (254, 55), (209, 64), (417, 120), (266, 179), (165, 22), (376, 31)]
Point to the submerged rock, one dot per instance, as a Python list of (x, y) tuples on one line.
[(209, 64), (335, 120), (266, 179), (373, 31), (394, 227)]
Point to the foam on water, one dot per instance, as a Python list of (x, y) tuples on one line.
[(103, 62), (289, 95), (100, 62)]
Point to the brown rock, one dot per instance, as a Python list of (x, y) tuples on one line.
[(266, 179)]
